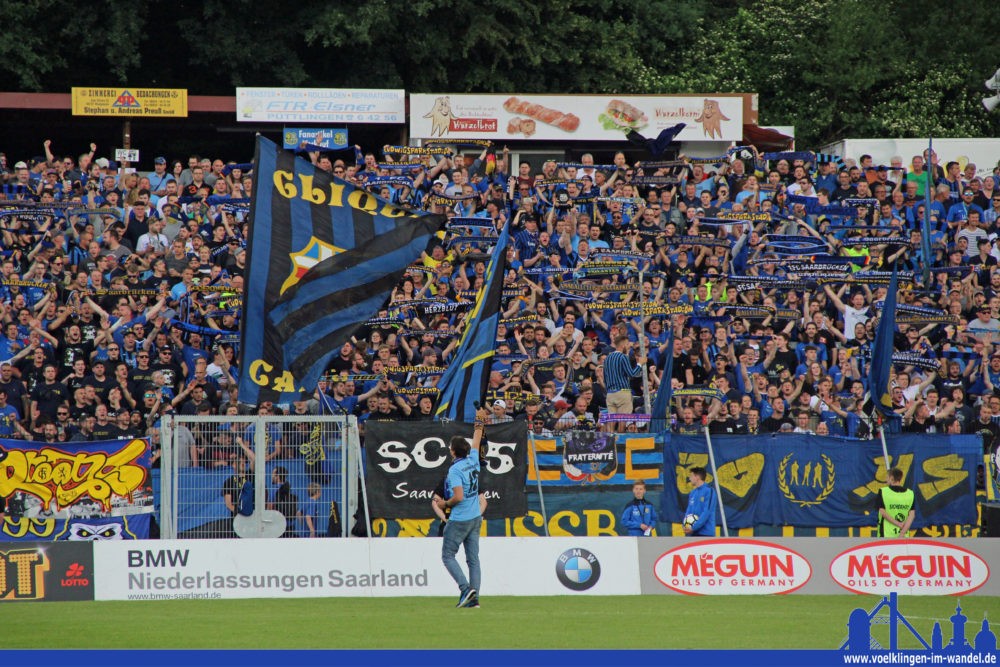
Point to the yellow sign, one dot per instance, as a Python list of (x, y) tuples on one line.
[(159, 102)]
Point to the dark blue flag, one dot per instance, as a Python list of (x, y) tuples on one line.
[(469, 371), (661, 403), (323, 256), (881, 365)]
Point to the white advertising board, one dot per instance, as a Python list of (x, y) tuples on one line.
[(573, 117), (393, 567), (320, 105)]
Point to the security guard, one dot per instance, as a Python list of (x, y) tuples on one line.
[(895, 507)]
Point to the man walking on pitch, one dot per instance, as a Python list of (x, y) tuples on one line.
[(465, 521), (895, 507)]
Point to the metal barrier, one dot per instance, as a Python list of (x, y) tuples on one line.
[(308, 464)]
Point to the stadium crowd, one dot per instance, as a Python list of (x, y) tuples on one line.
[(121, 294)]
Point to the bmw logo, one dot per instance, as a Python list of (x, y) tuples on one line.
[(578, 569)]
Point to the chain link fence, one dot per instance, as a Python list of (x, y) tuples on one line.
[(300, 472)]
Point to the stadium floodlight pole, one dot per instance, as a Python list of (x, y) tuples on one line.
[(715, 479), (646, 404), (538, 481)]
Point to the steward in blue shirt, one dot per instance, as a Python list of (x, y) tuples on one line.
[(639, 517), (702, 504)]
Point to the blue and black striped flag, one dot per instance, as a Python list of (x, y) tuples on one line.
[(468, 374), (661, 404), (323, 257)]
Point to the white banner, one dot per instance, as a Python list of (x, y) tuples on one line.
[(320, 105), (574, 117), (395, 567)]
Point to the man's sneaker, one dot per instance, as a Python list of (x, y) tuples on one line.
[(473, 603), (469, 594)]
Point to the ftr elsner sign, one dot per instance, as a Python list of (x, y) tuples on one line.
[(320, 105)]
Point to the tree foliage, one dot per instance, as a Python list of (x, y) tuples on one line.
[(831, 69)]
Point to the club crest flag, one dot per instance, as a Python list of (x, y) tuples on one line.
[(881, 365), (323, 257)]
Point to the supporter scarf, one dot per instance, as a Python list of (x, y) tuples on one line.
[(125, 292), (598, 167), (710, 241), (113, 212), (612, 417), (872, 241), (791, 156), (754, 217), (28, 215), (867, 228), (546, 364), (204, 331), (234, 208), (927, 319), (546, 270), (751, 283), (806, 267), (622, 254), (906, 309), (704, 392), (421, 370), (748, 312), (384, 322), (17, 282), (661, 164), (412, 150), (634, 308), (654, 180), (869, 277), (390, 181), (512, 396), (518, 320), (478, 241), (813, 207), (425, 301), (358, 377), (448, 307), (447, 200), (786, 314), (396, 165), (417, 391), (413, 270), (470, 222), (577, 286), (436, 333), (856, 201), (953, 269), (620, 200), (572, 297), (915, 359), (830, 157), (546, 182), (604, 267)]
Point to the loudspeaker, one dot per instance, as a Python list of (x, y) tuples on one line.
[(991, 103), (991, 520)]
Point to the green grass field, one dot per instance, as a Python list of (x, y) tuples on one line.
[(648, 622)]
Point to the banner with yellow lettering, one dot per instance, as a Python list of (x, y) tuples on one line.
[(804, 480), (323, 257), (76, 490)]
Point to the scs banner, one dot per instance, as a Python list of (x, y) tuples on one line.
[(798, 480), (42, 571), (76, 491), (404, 466)]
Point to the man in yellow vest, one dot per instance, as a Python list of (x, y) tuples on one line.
[(895, 507)]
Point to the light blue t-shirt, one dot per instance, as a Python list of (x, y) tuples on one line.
[(465, 473)]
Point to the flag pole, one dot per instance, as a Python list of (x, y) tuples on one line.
[(885, 449), (646, 405), (715, 480), (538, 481)]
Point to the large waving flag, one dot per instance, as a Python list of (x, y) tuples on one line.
[(464, 382), (925, 224), (661, 403), (323, 257), (881, 363)]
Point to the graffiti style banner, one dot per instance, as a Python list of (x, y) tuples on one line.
[(405, 465), (76, 491), (41, 571), (802, 480)]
